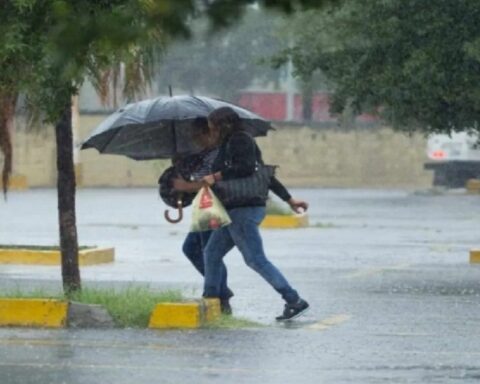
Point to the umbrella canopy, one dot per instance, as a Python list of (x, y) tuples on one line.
[(162, 127)]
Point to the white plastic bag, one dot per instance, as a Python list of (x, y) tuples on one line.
[(208, 212)]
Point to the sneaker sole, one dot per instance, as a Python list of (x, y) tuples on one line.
[(296, 316)]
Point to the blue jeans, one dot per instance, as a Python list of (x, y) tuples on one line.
[(243, 232), (193, 246)]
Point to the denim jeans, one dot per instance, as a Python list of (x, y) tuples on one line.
[(243, 232), (193, 247)]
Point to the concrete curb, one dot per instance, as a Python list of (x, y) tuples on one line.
[(46, 313), (90, 256), (51, 313), (285, 221), (185, 315), (475, 256), (473, 186)]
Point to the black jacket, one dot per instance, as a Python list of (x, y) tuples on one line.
[(237, 157)]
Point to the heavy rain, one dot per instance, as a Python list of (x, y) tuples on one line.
[(110, 134)]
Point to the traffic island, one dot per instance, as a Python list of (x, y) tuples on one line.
[(189, 315), (285, 221), (52, 313), (39, 255), (475, 256)]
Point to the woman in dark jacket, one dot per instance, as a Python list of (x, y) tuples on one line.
[(238, 157)]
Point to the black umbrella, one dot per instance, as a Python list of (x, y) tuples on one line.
[(162, 127)]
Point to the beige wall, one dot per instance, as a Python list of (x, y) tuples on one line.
[(307, 157)]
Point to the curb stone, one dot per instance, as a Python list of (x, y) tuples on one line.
[(285, 221), (90, 256), (82, 315), (475, 256), (51, 313), (194, 314)]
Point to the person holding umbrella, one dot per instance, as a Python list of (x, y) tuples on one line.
[(195, 242), (238, 158)]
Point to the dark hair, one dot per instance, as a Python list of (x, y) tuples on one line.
[(226, 120), (200, 124)]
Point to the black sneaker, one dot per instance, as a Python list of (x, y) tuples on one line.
[(292, 311)]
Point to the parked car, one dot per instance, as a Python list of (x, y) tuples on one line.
[(454, 158)]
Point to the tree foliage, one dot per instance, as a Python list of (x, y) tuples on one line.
[(414, 62)]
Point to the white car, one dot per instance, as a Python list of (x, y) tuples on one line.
[(454, 158), (458, 146)]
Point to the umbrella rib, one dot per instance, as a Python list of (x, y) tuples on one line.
[(111, 139)]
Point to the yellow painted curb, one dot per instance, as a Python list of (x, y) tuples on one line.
[(475, 256), (184, 315), (96, 256), (52, 257), (17, 182), (281, 221), (473, 186), (33, 313), (211, 310)]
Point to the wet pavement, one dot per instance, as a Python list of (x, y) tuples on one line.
[(393, 296)]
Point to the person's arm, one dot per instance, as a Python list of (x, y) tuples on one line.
[(182, 185), (279, 189)]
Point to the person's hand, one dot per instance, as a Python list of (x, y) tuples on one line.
[(180, 184), (298, 206), (209, 179)]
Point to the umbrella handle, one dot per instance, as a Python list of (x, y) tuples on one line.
[(180, 213)]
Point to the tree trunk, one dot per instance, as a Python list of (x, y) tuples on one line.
[(66, 202), (7, 113)]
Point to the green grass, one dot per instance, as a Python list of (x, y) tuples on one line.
[(129, 307), (37, 293)]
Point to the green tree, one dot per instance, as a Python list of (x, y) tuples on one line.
[(415, 63)]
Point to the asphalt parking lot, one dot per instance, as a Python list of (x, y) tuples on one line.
[(393, 295)]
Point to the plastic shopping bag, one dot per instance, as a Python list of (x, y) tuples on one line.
[(208, 212)]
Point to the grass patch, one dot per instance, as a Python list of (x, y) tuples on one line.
[(40, 247), (277, 208), (129, 307), (232, 322), (37, 293)]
